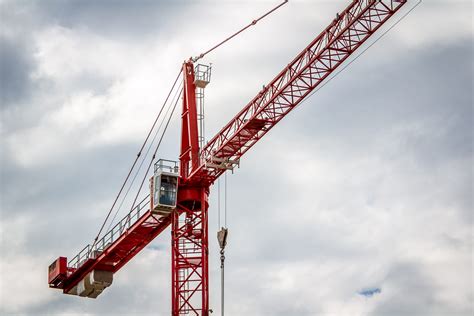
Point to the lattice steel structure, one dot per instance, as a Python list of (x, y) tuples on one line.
[(200, 167)]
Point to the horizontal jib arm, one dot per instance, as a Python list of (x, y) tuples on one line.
[(348, 31)]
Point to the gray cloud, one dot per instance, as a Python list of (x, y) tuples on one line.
[(413, 293), (118, 18), (16, 66), (367, 183)]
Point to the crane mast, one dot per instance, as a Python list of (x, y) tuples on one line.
[(199, 167), (189, 231)]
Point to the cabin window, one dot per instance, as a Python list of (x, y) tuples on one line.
[(167, 190)]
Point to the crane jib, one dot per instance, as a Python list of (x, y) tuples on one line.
[(348, 31), (93, 268)]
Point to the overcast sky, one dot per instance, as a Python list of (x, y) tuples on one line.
[(367, 185)]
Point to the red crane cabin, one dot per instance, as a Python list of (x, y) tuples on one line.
[(179, 193)]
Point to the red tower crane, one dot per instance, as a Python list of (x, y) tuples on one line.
[(179, 192)]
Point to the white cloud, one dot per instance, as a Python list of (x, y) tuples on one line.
[(339, 206), (23, 275)]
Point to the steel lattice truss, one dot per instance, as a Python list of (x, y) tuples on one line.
[(138, 230), (190, 261), (349, 30)]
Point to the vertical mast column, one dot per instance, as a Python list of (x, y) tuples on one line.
[(190, 251), (189, 223)]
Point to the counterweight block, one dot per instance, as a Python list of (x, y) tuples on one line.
[(93, 284)]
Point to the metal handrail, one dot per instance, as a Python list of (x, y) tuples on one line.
[(112, 235), (166, 165)]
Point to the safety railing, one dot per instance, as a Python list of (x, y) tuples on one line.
[(202, 73), (167, 166), (112, 235)]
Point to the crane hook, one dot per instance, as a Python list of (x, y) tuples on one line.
[(222, 239)]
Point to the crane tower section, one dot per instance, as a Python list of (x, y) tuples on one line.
[(189, 232)]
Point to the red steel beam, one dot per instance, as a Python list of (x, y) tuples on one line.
[(122, 250), (347, 32)]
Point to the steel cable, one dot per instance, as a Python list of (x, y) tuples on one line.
[(156, 150), (238, 32), (362, 52), (135, 162), (139, 167)]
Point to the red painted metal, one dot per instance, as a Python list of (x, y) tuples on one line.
[(57, 271), (189, 240), (190, 267), (189, 157), (117, 254), (190, 284), (348, 31)]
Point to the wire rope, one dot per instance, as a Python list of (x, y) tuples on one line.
[(141, 163), (225, 199), (363, 51), (156, 150), (218, 203), (135, 162), (238, 32)]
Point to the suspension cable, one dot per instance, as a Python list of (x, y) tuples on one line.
[(238, 32), (141, 164), (222, 234), (225, 199), (218, 203), (156, 150), (222, 281), (135, 162)]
